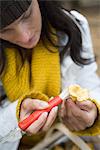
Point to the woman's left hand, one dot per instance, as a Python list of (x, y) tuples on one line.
[(78, 116)]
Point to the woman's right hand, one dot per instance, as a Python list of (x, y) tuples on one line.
[(44, 122)]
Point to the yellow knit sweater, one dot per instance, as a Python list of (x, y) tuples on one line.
[(42, 75), (39, 79)]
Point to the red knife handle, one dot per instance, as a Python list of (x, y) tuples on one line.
[(35, 115)]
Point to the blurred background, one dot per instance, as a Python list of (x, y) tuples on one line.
[(91, 10)]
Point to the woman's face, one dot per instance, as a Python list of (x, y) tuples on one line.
[(26, 30)]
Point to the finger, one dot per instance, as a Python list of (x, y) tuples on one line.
[(68, 117), (77, 125), (52, 116), (62, 111), (84, 117), (29, 105), (85, 105), (37, 125), (91, 109), (64, 108), (69, 106), (75, 114), (34, 104), (76, 111), (72, 124), (24, 114), (91, 116)]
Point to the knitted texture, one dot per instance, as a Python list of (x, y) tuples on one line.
[(42, 75)]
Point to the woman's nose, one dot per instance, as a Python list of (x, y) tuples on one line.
[(24, 35)]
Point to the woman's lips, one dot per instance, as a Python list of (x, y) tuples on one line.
[(30, 43), (32, 39)]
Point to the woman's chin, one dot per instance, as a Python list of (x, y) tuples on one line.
[(29, 46)]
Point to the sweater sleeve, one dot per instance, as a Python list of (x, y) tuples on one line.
[(8, 119)]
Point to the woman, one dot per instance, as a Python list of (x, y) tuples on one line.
[(43, 45)]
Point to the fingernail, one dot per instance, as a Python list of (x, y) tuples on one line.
[(45, 114), (55, 109)]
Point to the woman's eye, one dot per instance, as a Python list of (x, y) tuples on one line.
[(5, 31)]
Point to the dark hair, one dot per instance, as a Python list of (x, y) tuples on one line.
[(53, 15)]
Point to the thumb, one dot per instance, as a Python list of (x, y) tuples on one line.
[(34, 104), (39, 104), (29, 105)]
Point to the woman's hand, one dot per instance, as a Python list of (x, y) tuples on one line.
[(78, 116), (44, 122)]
